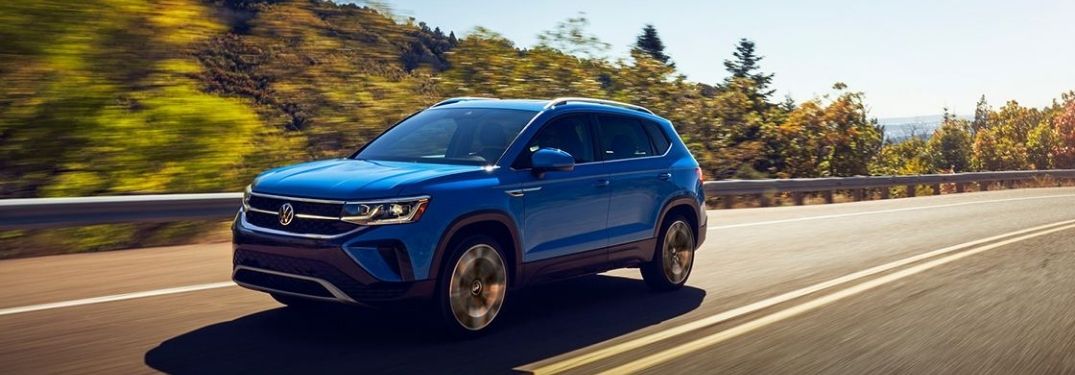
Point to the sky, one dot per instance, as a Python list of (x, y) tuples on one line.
[(911, 58)]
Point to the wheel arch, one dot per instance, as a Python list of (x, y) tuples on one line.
[(493, 223), (683, 205)]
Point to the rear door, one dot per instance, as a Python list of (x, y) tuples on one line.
[(640, 178)]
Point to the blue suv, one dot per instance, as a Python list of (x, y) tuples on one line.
[(474, 197)]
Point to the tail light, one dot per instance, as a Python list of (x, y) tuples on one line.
[(701, 177)]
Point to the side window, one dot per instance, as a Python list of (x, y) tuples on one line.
[(659, 137), (570, 134), (623, 138)]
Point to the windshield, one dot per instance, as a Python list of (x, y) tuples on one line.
[(475, 136)]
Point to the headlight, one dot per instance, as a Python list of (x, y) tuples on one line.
[(382, 212), (246, 197)]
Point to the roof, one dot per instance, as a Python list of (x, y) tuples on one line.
[(520, 104), (540, 104)]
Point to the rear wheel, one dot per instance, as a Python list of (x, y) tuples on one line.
[(672, 263), (472, 286)]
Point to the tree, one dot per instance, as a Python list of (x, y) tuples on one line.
[(650, 43), (995, 152), (1041, 143), (855, 138), (951, 145), (981, 115), (909, 157), (570, 37), (1064, 128), (745, 66)]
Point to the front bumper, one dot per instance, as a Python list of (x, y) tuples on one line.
[(314, 269)]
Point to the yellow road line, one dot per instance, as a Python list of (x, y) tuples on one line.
[(553, 365), (701, 343)]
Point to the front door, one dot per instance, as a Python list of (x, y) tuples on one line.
[(565, 212)]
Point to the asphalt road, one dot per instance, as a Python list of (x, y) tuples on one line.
[(968, 283)]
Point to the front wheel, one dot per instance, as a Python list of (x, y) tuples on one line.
[(672, 263), (473, 286)]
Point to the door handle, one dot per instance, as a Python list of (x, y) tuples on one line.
[(602, 182), (664, 176)]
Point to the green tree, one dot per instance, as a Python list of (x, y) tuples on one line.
[(650, 43), (951, 145), (1041, 144), (910, 157), (745, 65), (981, 115)]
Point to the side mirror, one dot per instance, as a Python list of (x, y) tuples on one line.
[(550, 160)]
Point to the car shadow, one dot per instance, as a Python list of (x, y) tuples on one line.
[(541, 322)]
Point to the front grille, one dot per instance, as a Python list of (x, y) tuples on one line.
[(323, 271), (299, 225), (282, 283), (301, 207)]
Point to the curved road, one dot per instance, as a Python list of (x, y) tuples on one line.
[(967, 283)]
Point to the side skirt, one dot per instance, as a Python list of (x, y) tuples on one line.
[(627, 255)]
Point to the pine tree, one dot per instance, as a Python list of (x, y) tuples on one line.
[(745, 66), (981, 115), (650, 43)]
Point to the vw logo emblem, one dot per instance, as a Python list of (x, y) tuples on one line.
[(287, 214)]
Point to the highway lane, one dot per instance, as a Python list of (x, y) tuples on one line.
[(751, 255), (1007, 311)]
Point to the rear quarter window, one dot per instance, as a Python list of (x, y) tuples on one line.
[(656, 133)]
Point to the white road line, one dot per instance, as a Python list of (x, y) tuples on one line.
[(555, 365), (114, 297), (715, 338), (849, 214)]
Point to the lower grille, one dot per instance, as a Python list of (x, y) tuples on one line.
[(282, 283), (323, 271)]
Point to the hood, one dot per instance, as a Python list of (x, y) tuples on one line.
[(350, 179)]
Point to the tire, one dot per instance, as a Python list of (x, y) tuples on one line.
[(674, 257), (297, 303), (472, 287)]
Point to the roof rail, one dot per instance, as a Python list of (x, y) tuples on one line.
[(559, 101), (460, 99)]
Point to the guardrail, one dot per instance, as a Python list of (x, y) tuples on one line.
[(36, 213), (859, 184)]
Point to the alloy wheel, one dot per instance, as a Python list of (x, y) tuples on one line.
[(477, 287), (678, 252)]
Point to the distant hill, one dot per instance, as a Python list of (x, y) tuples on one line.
[(901, 128)]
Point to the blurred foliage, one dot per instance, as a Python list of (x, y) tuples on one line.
[(131, 96)]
